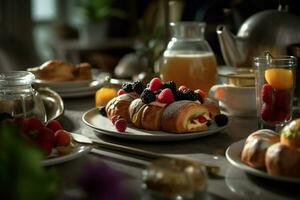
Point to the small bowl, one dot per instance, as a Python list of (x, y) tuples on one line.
[(242, 77)]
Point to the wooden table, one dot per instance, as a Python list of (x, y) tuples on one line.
[(232, 183)]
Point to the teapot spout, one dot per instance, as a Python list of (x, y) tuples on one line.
[(232, 53)]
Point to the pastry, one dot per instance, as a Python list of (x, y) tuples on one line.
[(283, 160), (290, 134), (256, 145), (212, 107), (56, 70), (120, 105), (181, 117)]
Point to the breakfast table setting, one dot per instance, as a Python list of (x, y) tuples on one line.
[(195, 130)]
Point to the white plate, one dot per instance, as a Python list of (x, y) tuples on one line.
[(103, 125), (77, 151), (233, 154), (71, 88)]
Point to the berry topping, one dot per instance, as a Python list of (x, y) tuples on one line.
[(34, 124), (62, 138), (199, 97), (115, 118), (179, 95), (266, 112), (201, 93), (54, 125), (121, 91), (221, 120), (171, 85), (201, 119), (155, 84), (267, 94), (102, 111), (166, 96), (121, 125), (190, 95), (138, 87), (182, 87), (127, 87), (148, 96)]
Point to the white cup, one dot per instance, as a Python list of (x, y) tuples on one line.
[(235, 100)]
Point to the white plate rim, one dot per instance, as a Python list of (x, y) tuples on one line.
[(233, 156), (79, 151), (153, 135)]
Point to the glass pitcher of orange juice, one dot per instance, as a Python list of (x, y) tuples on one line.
[(188, 59)]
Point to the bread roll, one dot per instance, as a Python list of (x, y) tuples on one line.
[(290, 134), (282, 160), (180, 117), (213, 108), (120, 105), (152, 115), (256, 145), (136, 109)]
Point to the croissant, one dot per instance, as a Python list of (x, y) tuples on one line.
[(120, 105), (181, 117)]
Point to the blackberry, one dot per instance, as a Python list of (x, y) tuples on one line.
[(148, 96), (179, 95), (127, 87), (221, 120), (171, 85), (138, 87), (198, 97), (190, 95), (102, 111)]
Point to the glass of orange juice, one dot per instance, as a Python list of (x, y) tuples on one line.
[(189, 59), (275, 84)]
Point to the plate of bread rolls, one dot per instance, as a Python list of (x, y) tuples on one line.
[(67, 79), (268, 154), (157, 112)]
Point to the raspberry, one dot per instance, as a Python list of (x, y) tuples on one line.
[(54, 125), (138, 87), (221, 120), (45, 140), (127, 87), (182, 87), (282, 100), (62, 138), (102, 111), (266, 112), (201, 93), (33, 124), (121, 125), (115, 118), (166, 96), (148, 96), (267, 94), (121, 91), (155, 84), (280, 116), (201, 119)]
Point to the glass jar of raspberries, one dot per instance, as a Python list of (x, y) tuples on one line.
[(275, 84), (18, 98)]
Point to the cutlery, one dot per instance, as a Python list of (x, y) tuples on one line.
[(211, 169)]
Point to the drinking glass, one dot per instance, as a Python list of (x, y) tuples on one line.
[(18, 98), (188, 59), (275, 84)]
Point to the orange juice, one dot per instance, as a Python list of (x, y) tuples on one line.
[(196, 71)]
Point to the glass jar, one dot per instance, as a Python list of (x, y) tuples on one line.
[(18, 98), (188, 59)]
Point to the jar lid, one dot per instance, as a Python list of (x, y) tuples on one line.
[(16, 78)]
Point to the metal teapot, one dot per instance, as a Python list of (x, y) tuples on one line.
[(271, 30)]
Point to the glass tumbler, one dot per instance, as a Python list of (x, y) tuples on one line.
[(275, 84), (18, 98)]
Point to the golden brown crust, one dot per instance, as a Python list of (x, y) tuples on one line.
[(136, 108), (282, 160), (256, 145), (151, 117), (56, 70), (178, 117), (120, 105), (213, 109), (291, 142)]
